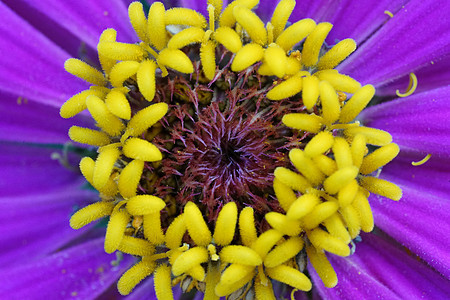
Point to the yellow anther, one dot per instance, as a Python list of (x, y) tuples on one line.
[(290, 276), (331, 108), (276, 59), (247, 228), (269, 29), (319, 144), (142, 150), (118, 105), (323, 240), (379, 158), (293, 180), (84, 71), (287, 88), (251, 23), (266, 241), (319, 214), (347, 194), (184, 16), (342, 153), (281, 15), (295, 33), (136, 274), (87, 166), (389, 13), (325, 164), (197, 272), (138, 20), (339, 179), (144, 205), (310, 92), (227, 17), (156, 25), (313, 44), (122, 71), (185, 37), (175, 232), (293, 66), (91, 213), (175, 59), (340, 82), (146, 118), (121, 51), (382, 187), (337, 54), (357, 103), (104, 118), (228, 38), (421, 162), (362, 206), (146, 79), (373, 136), (411, 87), (152, 228), (306, 166), (247, 56), (284, 194), (196, 225), (103, 167), (351, 218), (115, 230), (163, 283), (302, 206), (213, 252), (263, 291), (283, 224), (217, 6), (135, 246), (77, 103), (226, 224), (233, 278), (188, 259), (108, 35), (335, 226), (236, 254), (322, 266), (88, 136), (208, 59), (283, 252)]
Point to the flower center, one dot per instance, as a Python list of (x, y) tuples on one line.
[(228, 150)]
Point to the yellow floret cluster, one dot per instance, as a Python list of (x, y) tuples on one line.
[(324, 193)]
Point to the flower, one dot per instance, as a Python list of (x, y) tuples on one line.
[(66, 252)]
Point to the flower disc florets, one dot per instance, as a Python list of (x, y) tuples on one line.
[(228, 150)]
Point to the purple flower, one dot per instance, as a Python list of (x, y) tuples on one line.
[(42, 257)]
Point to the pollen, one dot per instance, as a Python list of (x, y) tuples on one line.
[(228, 149)]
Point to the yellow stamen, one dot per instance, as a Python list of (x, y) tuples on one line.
[(313, 44), (233, 278), (247, 228), (290, 276), (152, 228), (281, 15), (88, 136), (351, 218), (91, 213), (306, 166), (197, 272), (212, 279), (142, 150), (104, 166), (389, 13), (87, 166), (122, 71), (319, 214), (379, 158), (319, 144), (105, 120), (77, 103), (285, 195), (293, 65), (118, 105), (251, 23), (382, 187), (322, 266), (340, 82), (358, 149), (121, 51), (217, 6), (226, 224), (184, 16), (266, 241), (295, 33), (421, 162), (362, 207), (146, 79), (157, 26), (175, 59), (84, 71), (276, 59), (247, 56), (339, 179), (411, 87), (196, 225), (303, 206), (331, 108), (237, 254), (144, 205), (146, 118), (357, 103), (323, 240), (208, 59), (115, 230), (108, 35), (325, 164), (136, 274), (136, 246), (228, 38), (175, 232), (337, 54), (188, 259), (283, 252), (373, 136), (185, 37), (227, 17), (310, 92), (138, 20), (286, 89), (335, 226), (347, 194), (342, 153), (264, 291), (283, 224), (293, 180), (163, 283)]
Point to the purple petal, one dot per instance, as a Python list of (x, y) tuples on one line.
[(418, 122), (81, 272), (31, 66), (31, 122), (382, 270), (403, 44)]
